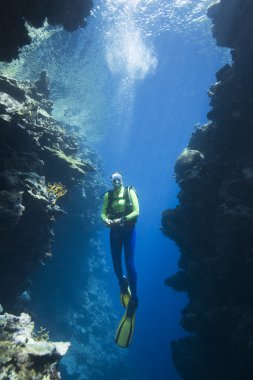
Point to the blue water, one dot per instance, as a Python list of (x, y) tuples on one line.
[(166, 106), (135, 80)]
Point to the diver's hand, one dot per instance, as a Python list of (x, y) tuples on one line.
[(116, 221), (108, 222)]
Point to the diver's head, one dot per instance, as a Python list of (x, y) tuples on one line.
[(117, 180)]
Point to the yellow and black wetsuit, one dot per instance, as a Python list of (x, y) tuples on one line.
[(116, 205), (119, 207)]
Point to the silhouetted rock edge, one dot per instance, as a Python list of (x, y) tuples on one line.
[(213, 222)]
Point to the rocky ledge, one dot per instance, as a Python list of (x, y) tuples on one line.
[(212, 224), (39, 165), (25, 354), (14, 15)]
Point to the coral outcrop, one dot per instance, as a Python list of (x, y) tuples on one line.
[(212, 224), (25, 354), (34, 151), (15, 14), (45, 173)]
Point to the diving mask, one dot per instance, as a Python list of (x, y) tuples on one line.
[(117, 179)]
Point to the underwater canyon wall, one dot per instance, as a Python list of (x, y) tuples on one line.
[(15, 14), (34, 150), (212, 225), (42, 168), (38, 166), (52, 264)]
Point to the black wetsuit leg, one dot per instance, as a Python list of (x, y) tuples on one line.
[(124, 236), (116, 243), (129, 248)]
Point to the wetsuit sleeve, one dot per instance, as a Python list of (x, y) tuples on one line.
[(104, 207), (135, 202)]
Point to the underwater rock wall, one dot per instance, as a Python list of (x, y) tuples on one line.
[(14, 14), (35, 152), (25, 354), (213, 222), (54, 271)]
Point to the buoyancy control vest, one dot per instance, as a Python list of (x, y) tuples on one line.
[(129, 204)]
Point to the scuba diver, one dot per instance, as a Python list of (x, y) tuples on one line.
[(119, 212)]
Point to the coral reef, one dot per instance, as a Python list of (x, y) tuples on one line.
[(212, 224), (25, 355), (43, 169), (34, 151), (56, 191), (15, 14), (40, 163)]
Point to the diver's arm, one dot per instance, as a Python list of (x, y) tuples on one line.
[(104, 210), (135, 202)]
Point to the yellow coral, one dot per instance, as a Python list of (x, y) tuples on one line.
[(55, 191), (42, 334)]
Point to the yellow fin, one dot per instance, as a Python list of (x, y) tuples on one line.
[(125, 331)]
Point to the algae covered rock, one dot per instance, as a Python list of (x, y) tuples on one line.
[(35, 150), (188, 163), (25, 355), (68, 164)]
